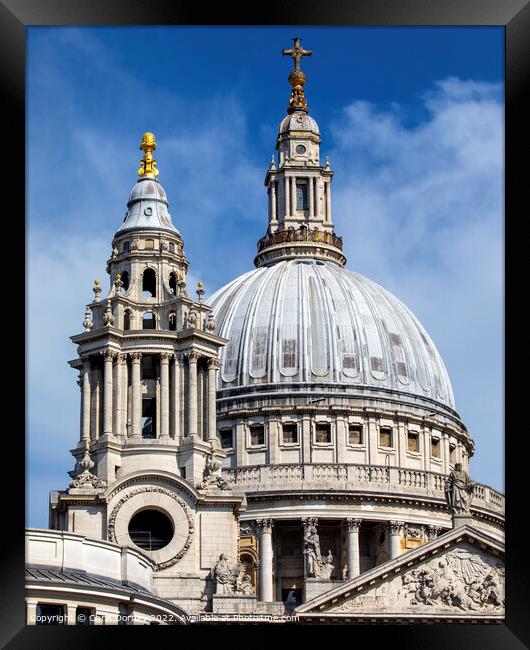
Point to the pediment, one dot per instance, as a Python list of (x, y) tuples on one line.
[(459, 575)]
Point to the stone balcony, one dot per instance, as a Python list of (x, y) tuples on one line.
[(374, 479)]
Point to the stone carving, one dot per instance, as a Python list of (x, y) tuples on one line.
[(265, 525), (230, 581), (118, 284), (458, 579), (414, 532), (88, 323), (210, 324), (108, 316), (313, 558), (327, 568), (85, 478), (433, 531), (212, 473), (111, 534), (458, 491), (190, 319), (97, 290), (115, 252)]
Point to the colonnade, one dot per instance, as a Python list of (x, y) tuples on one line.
[(352, 526), (119, 393)]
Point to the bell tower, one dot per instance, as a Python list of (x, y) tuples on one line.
[(298, 184), (148, 358)]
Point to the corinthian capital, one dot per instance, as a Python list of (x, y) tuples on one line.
[(136, 356), (165, 356), (213, 362), (265, 525), (352, 525), (396, 527)]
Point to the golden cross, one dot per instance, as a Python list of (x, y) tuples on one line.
[(297, 52)]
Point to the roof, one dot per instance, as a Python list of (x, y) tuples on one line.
[(309, 321)]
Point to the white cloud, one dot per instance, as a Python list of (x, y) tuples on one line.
[(421, 209)]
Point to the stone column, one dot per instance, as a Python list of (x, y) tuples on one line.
[(293, 196), (354, 563), (122, 364), (395, 528), (136, 395), (446, 453), (85, 400), (164, 394), (116, 404), (317, 197), (265, 565), (286, 182), (311, 193), (328, 202), (107, 392), (177, 404), (274, 216), (71, 610), (213, 367), (192, 392)]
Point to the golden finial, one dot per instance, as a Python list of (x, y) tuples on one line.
[(297, 78), (199, 284), (148, 145)]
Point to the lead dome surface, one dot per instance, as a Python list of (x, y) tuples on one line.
[(306, 321)]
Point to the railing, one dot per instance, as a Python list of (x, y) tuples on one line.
[(345, 476), (301, 234)]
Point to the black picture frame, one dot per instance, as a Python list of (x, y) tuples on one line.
[(514, 15)]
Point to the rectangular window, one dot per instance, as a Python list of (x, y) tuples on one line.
[(226, 438), (257, 435), (171, 247), (355, 434), (83, 616), (126, 247), (452, 454), (435, 447), (385, 437), (301, 196), (323, 432), (290, 432), (50, 615), (413, 442)]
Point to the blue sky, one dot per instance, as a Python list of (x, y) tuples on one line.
[(412, 119)]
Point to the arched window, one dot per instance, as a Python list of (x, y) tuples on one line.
[(172, 321), (149, 283), (127, 319), (149, 321), (125, 281), (173, 283)]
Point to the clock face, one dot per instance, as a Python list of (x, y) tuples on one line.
[(300, 149)]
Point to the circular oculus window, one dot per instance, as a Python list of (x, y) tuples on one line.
[(151, 530), (300, 149)]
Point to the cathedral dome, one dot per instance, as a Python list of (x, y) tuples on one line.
[(147, 208), (298, 121), (313, 322)]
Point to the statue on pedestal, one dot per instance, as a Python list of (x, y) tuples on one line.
[(458, 491), (312, 552)]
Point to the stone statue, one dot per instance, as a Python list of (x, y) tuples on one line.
[(222, 575), (327, 566), (209, 326), (212, 473), (191, 319), (228, 579), (312, 552), (458, 490)]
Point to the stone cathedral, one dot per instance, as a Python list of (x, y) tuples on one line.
[(288, 447)]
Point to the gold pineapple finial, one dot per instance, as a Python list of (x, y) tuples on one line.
[(297, 78), (148, 145)]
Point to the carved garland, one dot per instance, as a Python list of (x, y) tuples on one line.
[(112, 521)]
